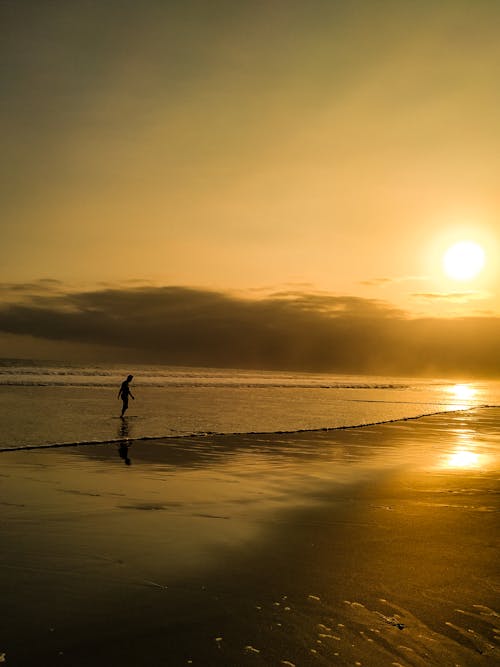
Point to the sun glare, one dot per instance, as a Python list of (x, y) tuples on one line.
[(462, 391), (463, 260), (468, 452), (463, 458)]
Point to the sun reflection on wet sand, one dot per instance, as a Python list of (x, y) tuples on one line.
[(463, 458), (466, 453)]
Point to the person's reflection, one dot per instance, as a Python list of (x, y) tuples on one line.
[(123, 445)]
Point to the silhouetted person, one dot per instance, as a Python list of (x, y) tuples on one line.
[(125, 392)]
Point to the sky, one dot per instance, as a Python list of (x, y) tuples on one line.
[(265, 184)]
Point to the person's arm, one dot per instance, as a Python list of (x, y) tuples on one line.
[(131, 395), (120, 392)]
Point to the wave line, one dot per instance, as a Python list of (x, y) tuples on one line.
[(211, 434)]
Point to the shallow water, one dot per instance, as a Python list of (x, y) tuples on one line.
[(44, 403)]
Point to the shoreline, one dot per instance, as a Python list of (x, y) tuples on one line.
[(373, 545), (209, 434)]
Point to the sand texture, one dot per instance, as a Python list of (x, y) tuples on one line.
[(368, 546)]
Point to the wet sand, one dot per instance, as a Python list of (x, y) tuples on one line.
[(369, 546)]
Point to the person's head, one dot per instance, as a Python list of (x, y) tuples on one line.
[(130, 378)]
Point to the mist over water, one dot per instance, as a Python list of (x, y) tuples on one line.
[(45, 403)]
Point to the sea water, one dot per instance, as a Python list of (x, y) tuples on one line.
[(45, 403)]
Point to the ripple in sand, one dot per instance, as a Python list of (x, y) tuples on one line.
[(147, 507), (79, 493), (480, 644), (155, 585), (324, 627), (251, 649)]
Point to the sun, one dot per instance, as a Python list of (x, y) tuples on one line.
[(464, 260)]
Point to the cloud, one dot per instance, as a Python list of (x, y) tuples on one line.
[(376, 282), (379, 282), (288, 329), (458, 297), (38, 286)]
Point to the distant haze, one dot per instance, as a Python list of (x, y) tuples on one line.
[(264, 183), (287, 330)]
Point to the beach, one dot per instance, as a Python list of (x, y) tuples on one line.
[(249, 334), (374, 545)]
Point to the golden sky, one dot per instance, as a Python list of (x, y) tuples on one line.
[(253, 148)]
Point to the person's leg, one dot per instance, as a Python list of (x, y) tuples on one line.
[(124, 407)]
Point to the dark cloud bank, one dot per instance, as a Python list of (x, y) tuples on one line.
[(287, 330)]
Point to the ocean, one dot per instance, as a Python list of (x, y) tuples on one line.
[(53, 403)]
